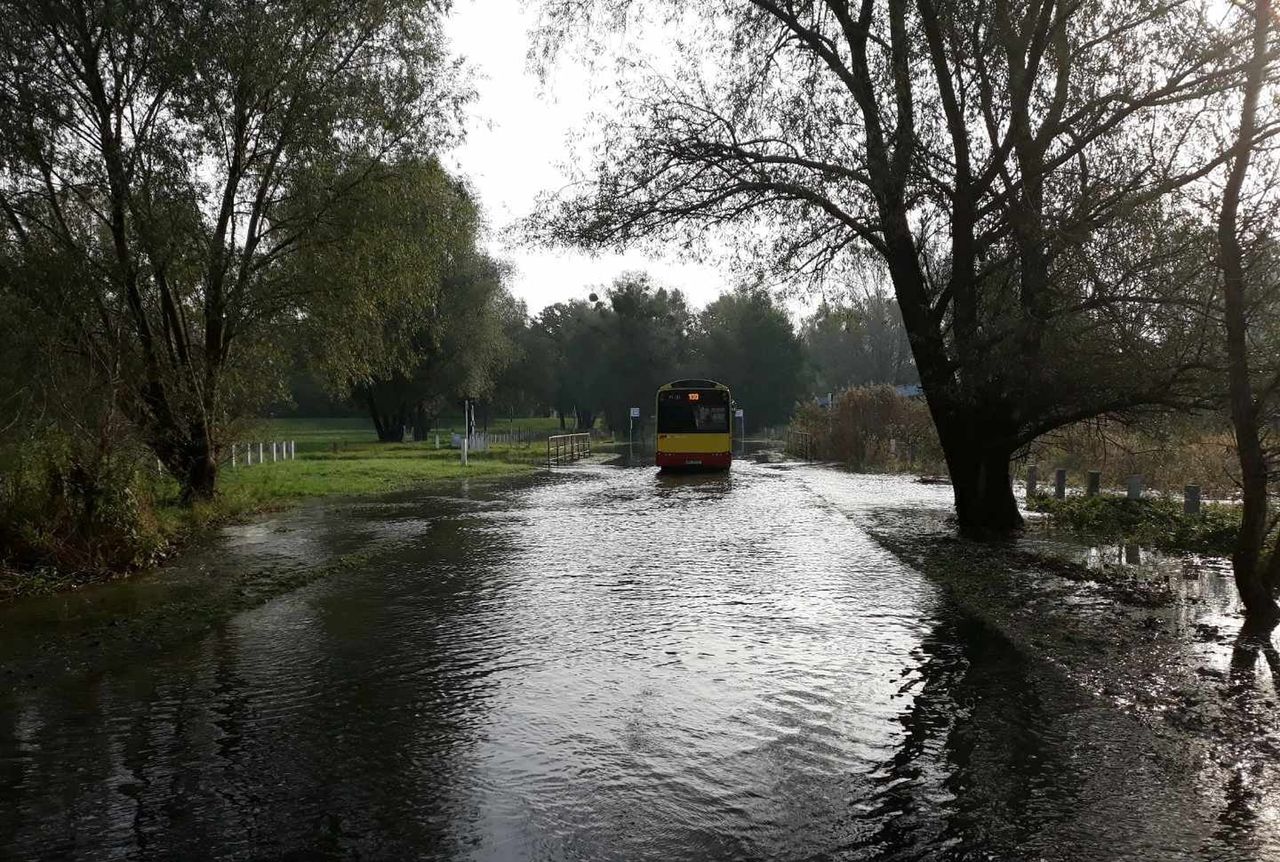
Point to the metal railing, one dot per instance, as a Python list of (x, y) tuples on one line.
[(567, 447), (800, 444)]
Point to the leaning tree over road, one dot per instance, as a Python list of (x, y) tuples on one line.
[(1007, 163), (153, 145)]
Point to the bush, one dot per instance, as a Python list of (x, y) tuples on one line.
[(76, 516), (873, 427), (1157, 522), (1167, 451)]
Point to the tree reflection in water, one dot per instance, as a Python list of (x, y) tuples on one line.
[(966, 773), (1254, 752), (1004, 758)]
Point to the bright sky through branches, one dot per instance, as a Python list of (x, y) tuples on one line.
[(516, 147)]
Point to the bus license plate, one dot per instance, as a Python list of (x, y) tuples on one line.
[(694, 463)]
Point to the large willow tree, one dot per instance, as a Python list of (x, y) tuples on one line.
[(153, 147), (1006, 164)]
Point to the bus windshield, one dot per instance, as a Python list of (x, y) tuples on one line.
[(691, 412)]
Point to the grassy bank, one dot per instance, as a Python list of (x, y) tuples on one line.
[(55, 537), (1157, 522), (366, 468), (321, 434)]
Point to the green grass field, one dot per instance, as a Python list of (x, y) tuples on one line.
[(342, 457), (317, 435), (363, 468)]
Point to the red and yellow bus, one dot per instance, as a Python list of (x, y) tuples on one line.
[(694, 425)]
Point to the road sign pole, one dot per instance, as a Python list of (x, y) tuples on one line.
[(631, 424)]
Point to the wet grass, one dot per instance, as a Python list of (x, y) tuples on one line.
[(319, 434), (327, 466), (368, 469), (1156, 522)]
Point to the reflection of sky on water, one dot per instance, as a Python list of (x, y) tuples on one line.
[(609, 664)]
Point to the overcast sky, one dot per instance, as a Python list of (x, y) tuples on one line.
[(516, 147)]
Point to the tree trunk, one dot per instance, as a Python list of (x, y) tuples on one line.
[(190, 457), (201, 473), (389, 426), (1246, 561), (986, 508), (585, 420), (419, 422)]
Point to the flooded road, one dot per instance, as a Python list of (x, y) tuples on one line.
[(602, 664)]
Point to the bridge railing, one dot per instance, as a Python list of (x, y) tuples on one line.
[(567, 447)]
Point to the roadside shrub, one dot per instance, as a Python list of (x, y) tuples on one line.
[(1167, 451), (74, 515), (873, 428), (1157, 522)]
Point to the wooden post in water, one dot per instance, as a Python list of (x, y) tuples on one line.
[(1060, 483), (1135, 487), (1032, 472), (1095, 484), (1191, 500)]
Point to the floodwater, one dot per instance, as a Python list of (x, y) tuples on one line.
[(600, 664)]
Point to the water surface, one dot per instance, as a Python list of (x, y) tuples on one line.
[(601, 664)]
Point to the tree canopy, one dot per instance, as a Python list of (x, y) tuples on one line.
[(158, 150), (1007, 165), (745, 340)]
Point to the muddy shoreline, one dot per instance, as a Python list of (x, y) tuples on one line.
[(1135, 639)]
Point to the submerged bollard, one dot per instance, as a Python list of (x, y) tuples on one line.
[(1032, 470), (1060, 483), (1095, 483), (1191, 500), (1135, 487)]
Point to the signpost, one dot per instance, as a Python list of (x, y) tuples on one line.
[(742, 430), (631, 421)]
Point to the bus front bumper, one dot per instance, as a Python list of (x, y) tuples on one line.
[(693, 460)]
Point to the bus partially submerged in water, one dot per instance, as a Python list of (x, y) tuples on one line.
[(694, 426)]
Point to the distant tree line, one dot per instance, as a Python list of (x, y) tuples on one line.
[(590, 360)]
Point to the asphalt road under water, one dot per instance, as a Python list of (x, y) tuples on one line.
[(602, 664)]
